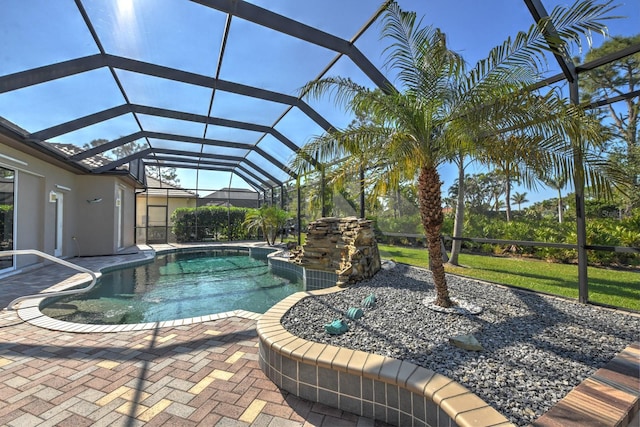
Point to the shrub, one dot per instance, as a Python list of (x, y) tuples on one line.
[(270, 220), (209, 222)]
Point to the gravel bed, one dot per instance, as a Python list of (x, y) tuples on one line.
[(536, 348)]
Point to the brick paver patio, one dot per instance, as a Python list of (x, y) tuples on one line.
[(201, 374), (204, 373)]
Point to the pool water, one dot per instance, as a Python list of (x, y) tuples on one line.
[(177, 286)]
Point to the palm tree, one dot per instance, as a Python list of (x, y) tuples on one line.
[(557, 183), (497, 188), (268, 219), (519, 199), (441, 108), (515, 159)]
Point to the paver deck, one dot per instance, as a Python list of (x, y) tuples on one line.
[(204, 373), (201, 374)]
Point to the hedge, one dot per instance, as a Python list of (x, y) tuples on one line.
[(209, 223)]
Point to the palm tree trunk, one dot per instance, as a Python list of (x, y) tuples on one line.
[(396, 194), (559, 206), (507, 197), (456, 245), (430, 198)]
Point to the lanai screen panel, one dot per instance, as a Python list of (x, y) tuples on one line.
[(58, 101), (174, 33), (174, 75)]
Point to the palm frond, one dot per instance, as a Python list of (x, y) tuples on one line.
[(340, 89), (580, 20), (419, 54), (522, 58)]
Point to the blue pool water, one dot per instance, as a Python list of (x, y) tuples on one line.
[(177, 286)]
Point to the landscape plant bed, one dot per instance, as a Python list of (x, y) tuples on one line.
[(536, 348)]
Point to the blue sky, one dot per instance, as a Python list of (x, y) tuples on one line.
[(187, 36)]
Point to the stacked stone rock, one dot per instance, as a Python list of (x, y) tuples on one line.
[(346, 246)]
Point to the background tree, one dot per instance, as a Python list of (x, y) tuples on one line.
[(356, 167), (614, 79), (459, 193), (514, 159), (497, 189), (477, 194), (557, 183), (519, 199)]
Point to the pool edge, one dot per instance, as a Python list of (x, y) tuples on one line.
[(29, 310)]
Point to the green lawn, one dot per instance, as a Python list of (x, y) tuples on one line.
[(611, 287)]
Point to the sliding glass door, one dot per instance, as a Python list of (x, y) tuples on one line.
[(7, 192)]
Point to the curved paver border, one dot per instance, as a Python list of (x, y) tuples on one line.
[(370, 385)]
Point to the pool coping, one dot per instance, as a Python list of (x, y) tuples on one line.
[(29, 310), (421, 397)]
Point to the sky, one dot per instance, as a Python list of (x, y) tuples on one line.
[(187, 36)]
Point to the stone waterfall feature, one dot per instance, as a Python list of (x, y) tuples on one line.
[(346, 246)]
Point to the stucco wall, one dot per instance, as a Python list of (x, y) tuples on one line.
[(30, 189), (88, 228), (34, 213), (129, 212), (96, 216)]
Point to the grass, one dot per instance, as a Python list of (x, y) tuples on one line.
[(610, 287)]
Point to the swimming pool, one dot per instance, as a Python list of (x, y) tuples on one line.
[(176, 286)]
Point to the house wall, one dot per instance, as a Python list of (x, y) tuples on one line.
[(88, 228), (129, 209), (103, 240), (35, 226), (29, 198)]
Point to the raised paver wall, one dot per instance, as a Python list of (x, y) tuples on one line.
[(370, 385)]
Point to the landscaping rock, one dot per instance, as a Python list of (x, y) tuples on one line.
[(467, 342), (346, 246)]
